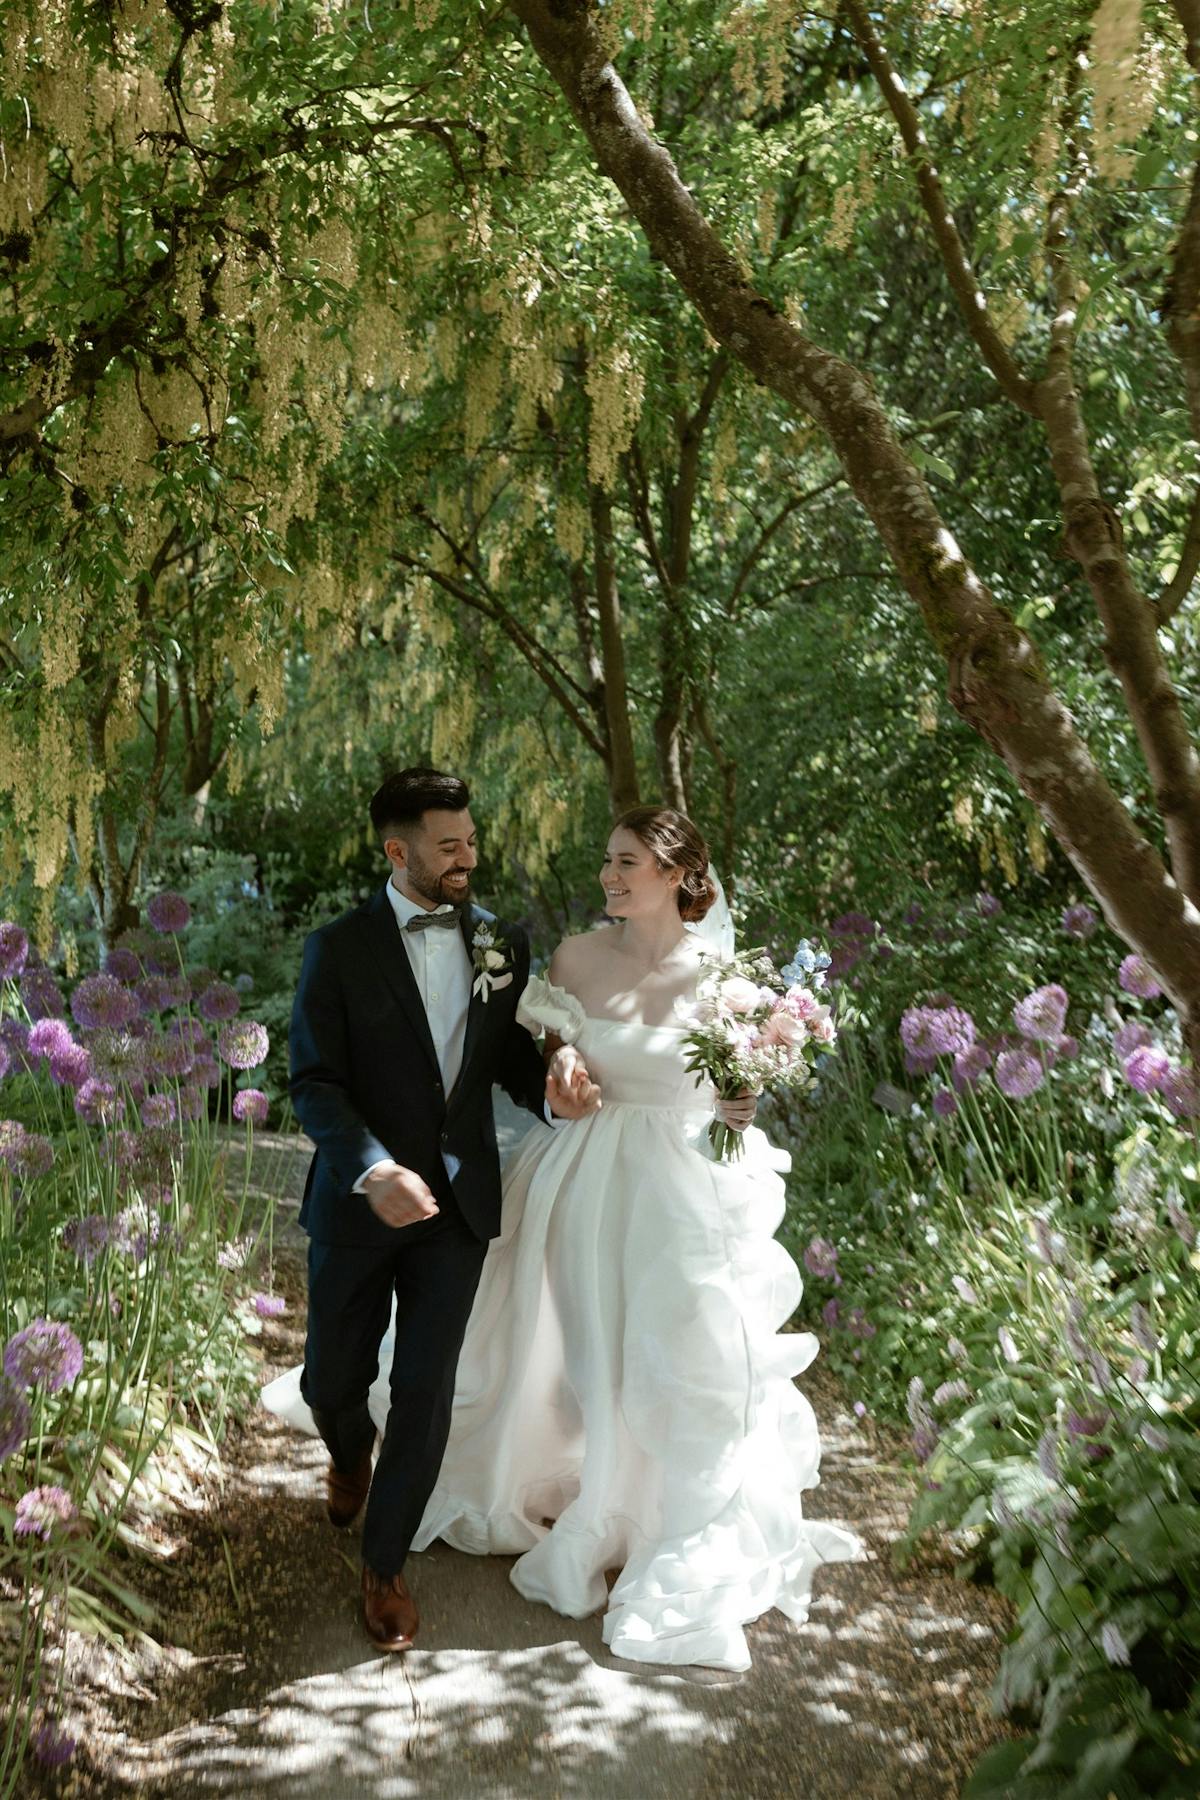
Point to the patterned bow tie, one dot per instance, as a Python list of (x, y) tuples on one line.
[(444, 915)]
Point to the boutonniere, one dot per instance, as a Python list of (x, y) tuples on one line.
[(492, 969)]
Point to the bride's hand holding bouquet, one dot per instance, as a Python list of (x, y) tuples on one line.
[(754, 1026)]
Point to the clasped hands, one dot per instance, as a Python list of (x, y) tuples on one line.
[(570, 1090)]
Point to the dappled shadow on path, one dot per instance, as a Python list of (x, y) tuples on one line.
[(882, 1693)]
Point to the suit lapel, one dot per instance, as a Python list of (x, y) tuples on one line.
[(476, 1014), (396, 969)]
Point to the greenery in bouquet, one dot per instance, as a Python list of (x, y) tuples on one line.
[(753, 1026)]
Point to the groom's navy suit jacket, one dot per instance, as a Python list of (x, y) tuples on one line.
[(365, 1080)]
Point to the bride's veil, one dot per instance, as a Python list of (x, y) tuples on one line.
[(715, 929)]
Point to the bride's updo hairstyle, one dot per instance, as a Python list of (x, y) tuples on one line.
[(674, 843)]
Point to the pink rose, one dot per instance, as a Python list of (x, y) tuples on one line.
[(739, 995), (784, 1028), (800, 1001), (821, 1026)]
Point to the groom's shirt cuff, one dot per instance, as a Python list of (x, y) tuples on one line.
[(360, 1186)]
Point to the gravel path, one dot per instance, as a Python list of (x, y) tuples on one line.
[(273, 1688)]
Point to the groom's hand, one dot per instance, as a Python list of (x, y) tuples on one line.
[(397, 1195), (570, 1090)]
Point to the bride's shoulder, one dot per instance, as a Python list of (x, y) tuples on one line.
[(577, 954)]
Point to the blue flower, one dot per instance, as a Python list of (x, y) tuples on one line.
[(806, 962)]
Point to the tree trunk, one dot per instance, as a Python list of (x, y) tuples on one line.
[(995, 678), (622, 763)]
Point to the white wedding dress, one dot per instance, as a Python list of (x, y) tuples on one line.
[(623, 1401)]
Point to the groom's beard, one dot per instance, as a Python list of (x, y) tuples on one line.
[(433, 887)]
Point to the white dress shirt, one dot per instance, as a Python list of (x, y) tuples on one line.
[(444, 972), (442, 968)]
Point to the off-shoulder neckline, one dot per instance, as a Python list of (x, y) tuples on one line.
[(553, 988)]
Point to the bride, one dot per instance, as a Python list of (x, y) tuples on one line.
[(623, 1402)]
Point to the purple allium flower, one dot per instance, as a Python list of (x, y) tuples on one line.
[(919, 1065), (820, 1258), (219, 1001), (206, 1072), (29, 1156), (158, 1109), (1047, 1455), (100, 1001), (14, 1035), (244, 983), (1137, 977), (1008, 1345), (41, 994), (1113, 1645), (1049, 1243), (1146, 1068), (193, 1102), (252, 1105), (957, 1349), (970, 1066), (1065, 1047), (860, 1410), (1184, 1228), (1079, 921), (98, 1103), (123, 965), (154, 994), (168, 913), (858, 1324), (71, 1066), (51, 1746), (14, 1417), (915, 1401), (1181, 1092), (853, 925), (945, 1103), (1019, 1073), (244, 1044), (1041, 1014), (925, 1442), (987, 905), (41, 1510), (964, 1290), (43, 1353), (1085, 1430), (86, 1237), (949, 1392), (48, 1036), (172, 1057), (937, 1030), (268, 1306), (117, 1055), (1130, 1035), (235, 1254), (1144, 1334), (14, 949), (829, 1314), (6, 1060)]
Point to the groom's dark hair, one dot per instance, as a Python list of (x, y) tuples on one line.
[(405, 798)]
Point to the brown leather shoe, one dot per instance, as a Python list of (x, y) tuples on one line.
[(389, 1610), (344, 1494)]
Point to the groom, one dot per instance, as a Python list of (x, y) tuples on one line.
[(403, 1020)]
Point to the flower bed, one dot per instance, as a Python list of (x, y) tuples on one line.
[(124, 1291), (996, 1204)]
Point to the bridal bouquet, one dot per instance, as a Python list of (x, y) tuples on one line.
[(754, 1026)]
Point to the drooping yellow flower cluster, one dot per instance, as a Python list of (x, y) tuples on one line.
[(1124, 83), (615, 385)]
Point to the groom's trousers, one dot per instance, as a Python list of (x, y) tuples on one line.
[(433, 1269)]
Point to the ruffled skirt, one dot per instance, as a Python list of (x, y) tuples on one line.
[(623, 1400)]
